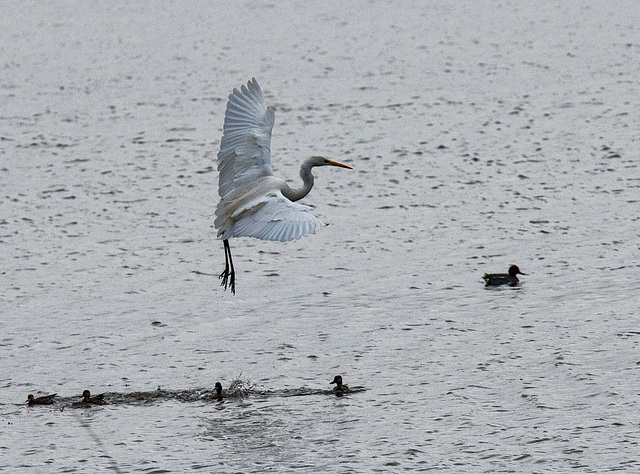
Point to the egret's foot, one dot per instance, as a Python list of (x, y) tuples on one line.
[(228, 276), (224, 276), (228, 280)]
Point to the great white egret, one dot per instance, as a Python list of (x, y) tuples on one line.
[(253, 202)]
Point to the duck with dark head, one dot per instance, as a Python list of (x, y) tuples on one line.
[(218, 395), (95, 400), (340, 388), (44, 400), (498, 279)]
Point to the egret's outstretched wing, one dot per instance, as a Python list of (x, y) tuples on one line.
[(245, 149), (272, 217)]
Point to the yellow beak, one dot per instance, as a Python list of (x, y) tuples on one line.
[(335, 163)]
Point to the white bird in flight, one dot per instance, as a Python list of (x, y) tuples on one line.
[(253, 202)]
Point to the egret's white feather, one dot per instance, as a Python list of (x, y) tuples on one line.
[(271, 217), (245, 148)]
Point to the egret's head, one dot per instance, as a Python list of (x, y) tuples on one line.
[(322, 161)]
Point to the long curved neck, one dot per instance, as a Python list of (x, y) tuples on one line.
[(307, 183)]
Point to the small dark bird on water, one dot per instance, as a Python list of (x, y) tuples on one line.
[(340, 388), (44, 400), (95, 400), (218, 395), (497, 279)]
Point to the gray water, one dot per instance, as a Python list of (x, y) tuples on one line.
[(481, 134)]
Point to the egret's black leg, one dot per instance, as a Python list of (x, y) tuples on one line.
[(224, 276), (228, 276), (232, 275)]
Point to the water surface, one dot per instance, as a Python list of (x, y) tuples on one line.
[(481, 135)]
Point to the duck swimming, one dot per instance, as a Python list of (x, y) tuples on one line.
[(497, 279), (44, 400), (218, 394), (340, 387), (95, 400)]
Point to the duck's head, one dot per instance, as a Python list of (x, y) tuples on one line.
[(218, 387), (337, 380), (30, 398), (86, 395), (514, 270)]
